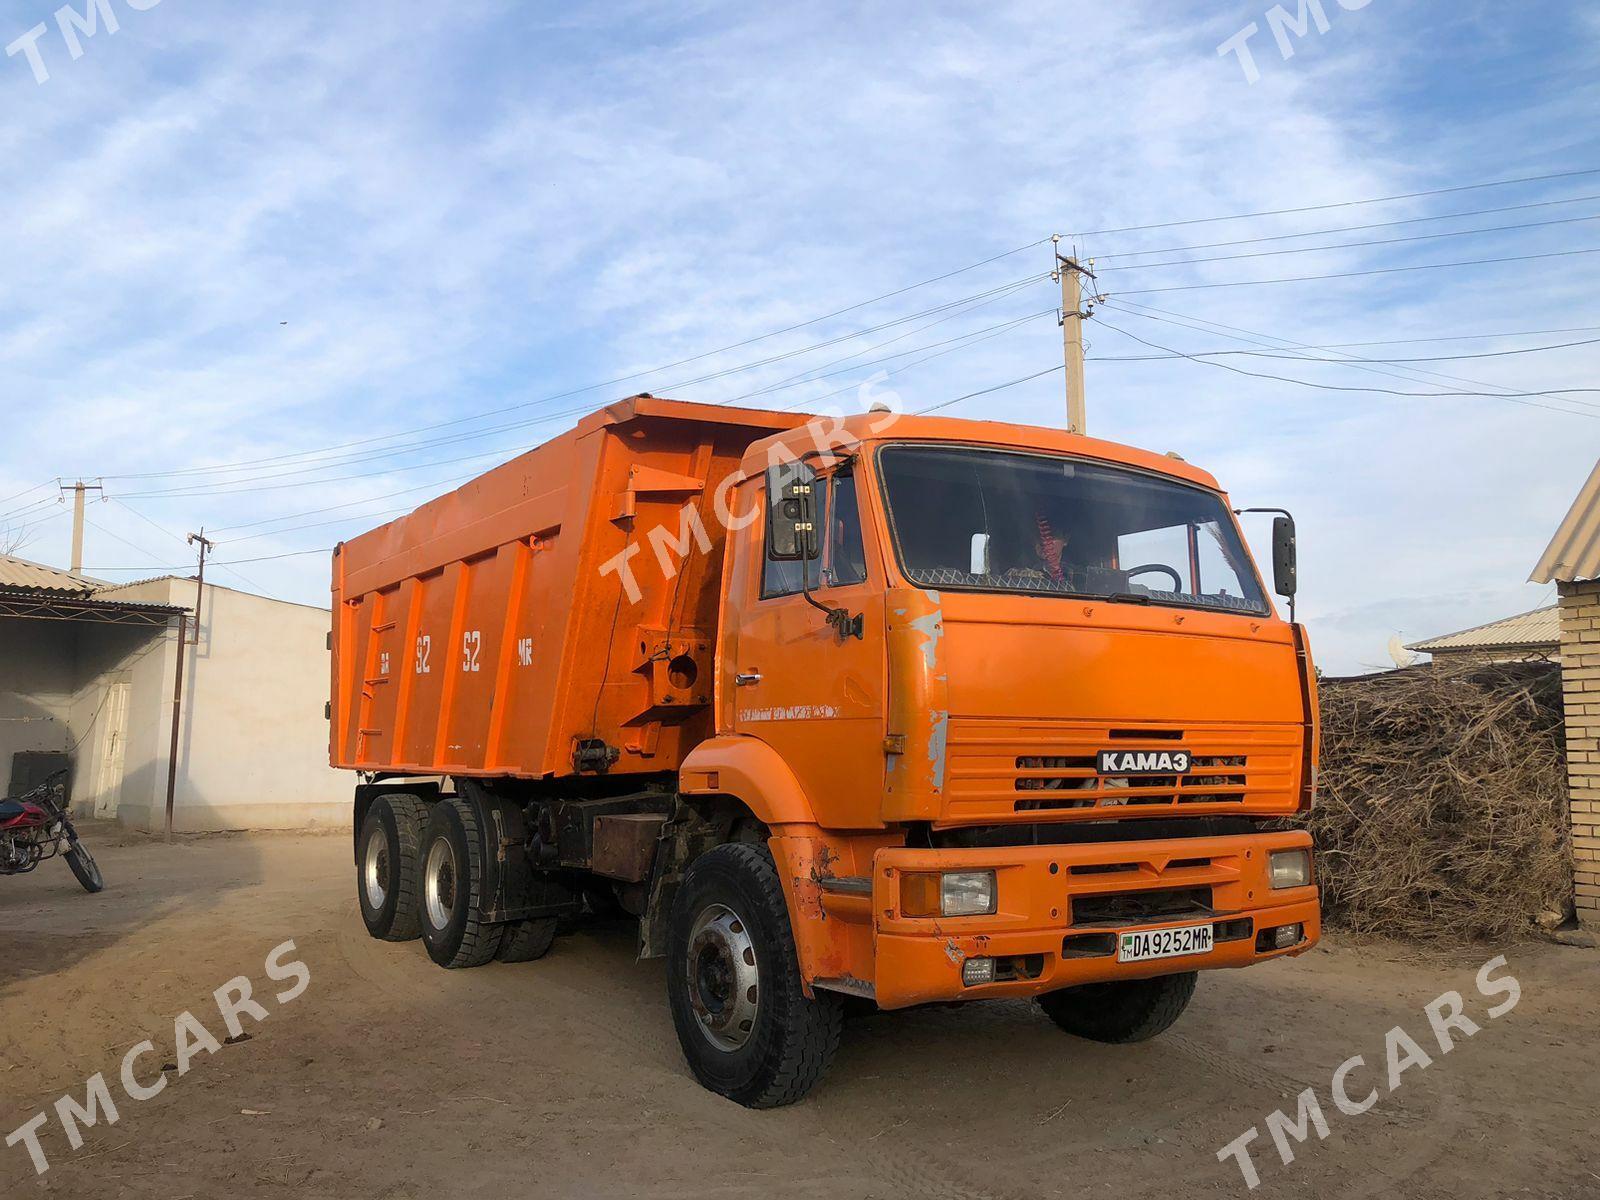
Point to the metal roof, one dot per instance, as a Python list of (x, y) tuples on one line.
[(32, 604), (1574, 552), (1541, 627), (18, 574)]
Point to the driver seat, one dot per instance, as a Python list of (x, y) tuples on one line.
[(10, 810)]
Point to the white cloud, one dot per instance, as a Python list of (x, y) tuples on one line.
[(466, 208)]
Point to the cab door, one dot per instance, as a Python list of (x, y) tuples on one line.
[(811, 690)]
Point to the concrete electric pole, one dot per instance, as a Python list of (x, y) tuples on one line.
[(78, 489), (1067, 272), (205, 544)]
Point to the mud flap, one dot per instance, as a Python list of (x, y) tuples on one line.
[(513, 888)]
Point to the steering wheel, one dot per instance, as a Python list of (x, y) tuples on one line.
[(1177, 580)]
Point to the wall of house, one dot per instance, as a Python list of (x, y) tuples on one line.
[(254, 741), (36, 688), (1580, 684), (138, 732)]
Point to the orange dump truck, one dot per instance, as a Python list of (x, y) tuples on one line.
[(885, 710)]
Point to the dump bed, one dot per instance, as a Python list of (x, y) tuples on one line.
[(480, 635)]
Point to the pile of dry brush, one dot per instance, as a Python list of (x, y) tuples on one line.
[(1442, 814)]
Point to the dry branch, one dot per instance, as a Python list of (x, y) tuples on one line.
[(1442, 807)]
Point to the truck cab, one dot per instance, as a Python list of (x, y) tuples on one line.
[(1029, 704)]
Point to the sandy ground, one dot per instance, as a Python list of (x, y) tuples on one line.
[(391, 1078)]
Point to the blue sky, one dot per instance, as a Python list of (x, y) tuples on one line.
[(237, 233)]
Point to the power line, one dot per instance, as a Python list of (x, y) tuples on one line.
[(651, 370), (1514, 397), (1284, 237), (1254, 337), (986, 391), (313, 512), (234, 563), (1455, 337), (31, 510), (1383, 361), (1007, 326), (1418, 237), (388, 512), (29, 491), (240, 575), (1476, 262), (1284, 212), (248, 483)]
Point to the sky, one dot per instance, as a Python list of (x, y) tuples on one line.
[(249, 247)]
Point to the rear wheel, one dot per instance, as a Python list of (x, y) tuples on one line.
[(527, 940), (453, 928), (388, 866), (733, 981), (1133, 1010), (84, 867)]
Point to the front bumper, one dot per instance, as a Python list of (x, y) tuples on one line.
[(1062, 909)]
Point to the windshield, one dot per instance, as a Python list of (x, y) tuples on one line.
[(995, 520)]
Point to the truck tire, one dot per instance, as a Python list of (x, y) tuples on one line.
[(733, 983), (1134, 1010), (387, 866), (527, 940), (453, 928)]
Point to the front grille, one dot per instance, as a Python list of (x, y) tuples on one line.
[(1213, 779), (1002, 769), (1133, 908)]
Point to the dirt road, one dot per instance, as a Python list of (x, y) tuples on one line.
[(391, 1078)]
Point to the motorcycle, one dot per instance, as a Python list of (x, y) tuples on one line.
[(34, 826)]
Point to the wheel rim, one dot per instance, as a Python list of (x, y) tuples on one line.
[(375, 869), (724, 981), (439, 883)]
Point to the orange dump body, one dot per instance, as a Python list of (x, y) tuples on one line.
[(480, 635)]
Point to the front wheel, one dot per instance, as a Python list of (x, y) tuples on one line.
[(1133, 1010), (733, 982), (84, 867)]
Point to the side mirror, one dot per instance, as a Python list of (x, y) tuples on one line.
[(791, 526), (980, 555), (1285, 564)]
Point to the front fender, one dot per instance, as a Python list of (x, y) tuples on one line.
[(752, 771)]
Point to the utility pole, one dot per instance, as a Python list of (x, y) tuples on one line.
[(1067, 272), (78, 489), (206, 544)]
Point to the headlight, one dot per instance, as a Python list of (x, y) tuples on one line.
[(947, 893), (1290, 868), (967, 893)]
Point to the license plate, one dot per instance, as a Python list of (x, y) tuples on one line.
[(1164, 943)]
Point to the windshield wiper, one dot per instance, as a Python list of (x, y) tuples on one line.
[(1128, 598)]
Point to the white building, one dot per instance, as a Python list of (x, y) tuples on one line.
[(87, 675)]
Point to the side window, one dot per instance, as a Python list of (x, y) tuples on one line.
[(838, 518), (844, 561)]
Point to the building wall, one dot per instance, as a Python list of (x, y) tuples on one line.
[(1580, 683), (36, 688), (254, 742)]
